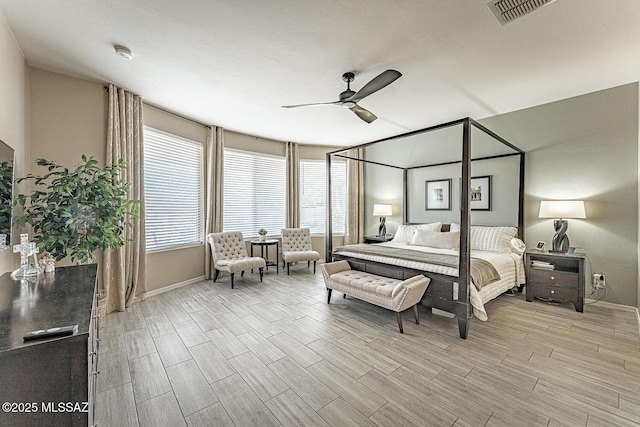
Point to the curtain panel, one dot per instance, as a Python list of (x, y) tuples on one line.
[(124, 268), (292, 156), (214, 190), (354, 231)]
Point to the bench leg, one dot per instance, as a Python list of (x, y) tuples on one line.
[(415, 311), (215, 275), (329, 295), (288, 268), (399, 318), (232, 280), (314, 267), (261, 274)]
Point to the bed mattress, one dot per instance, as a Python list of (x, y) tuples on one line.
[(510, 267)]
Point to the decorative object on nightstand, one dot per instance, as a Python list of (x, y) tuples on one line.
[(561, 209), (382, 211), (554, 276), (262, 234)]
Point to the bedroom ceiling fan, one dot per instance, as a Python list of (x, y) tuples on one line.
[(349, 99)]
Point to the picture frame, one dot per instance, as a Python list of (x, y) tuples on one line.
[(540, 245), (438, 195), (480, 189)]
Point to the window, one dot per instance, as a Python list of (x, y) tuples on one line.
[(313, 195), (173, 191), (254, 192)]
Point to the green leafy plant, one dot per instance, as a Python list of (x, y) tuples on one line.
[(262, 232), (75, 212), (6, 181)]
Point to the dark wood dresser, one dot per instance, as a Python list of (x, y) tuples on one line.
[(555, 276), (48, 382)]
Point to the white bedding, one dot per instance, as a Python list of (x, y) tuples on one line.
[(510, 267)]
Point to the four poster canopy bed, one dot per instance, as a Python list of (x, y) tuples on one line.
[(460, 188)]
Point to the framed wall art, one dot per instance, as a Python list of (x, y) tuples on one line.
[(438, 195), (481, 193)]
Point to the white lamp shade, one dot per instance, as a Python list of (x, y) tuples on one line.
[(382, 210), (562, 209)]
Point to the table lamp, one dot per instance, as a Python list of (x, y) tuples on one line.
[(382, 211), (561, 209)]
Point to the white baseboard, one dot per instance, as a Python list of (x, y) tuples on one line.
[(612, 305), (620, 307), (174, 286)]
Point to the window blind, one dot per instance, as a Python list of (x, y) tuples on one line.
[(313, 195), (173, 190), (254, 192)]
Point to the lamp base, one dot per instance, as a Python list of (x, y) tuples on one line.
[(560, 242), (382, 229)]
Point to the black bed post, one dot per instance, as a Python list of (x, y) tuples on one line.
[(329, 230), (521, 200), (463, 309), (405, 197)]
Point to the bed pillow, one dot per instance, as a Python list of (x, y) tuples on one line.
[(436, 239), (453, 227), (518, 246), (405, 232), (432, 226), (493, 239)]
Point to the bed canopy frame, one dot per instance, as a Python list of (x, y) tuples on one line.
[(445, 298)]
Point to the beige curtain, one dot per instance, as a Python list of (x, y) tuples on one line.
[(124, 268), (354, 232), (293, 185), (214, 190)]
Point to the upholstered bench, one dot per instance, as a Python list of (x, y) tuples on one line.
[(392, 294)]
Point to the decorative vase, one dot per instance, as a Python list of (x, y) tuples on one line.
[(47, 262), (262, 238)]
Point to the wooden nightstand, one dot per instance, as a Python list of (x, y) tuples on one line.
[(377, 239), (562, 280)]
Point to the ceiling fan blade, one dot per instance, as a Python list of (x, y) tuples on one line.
[(382, 80), (364, 114), (315, 104)]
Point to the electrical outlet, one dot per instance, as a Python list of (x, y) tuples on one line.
[(599, 281)]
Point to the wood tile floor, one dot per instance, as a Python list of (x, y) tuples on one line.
[(274, 353)]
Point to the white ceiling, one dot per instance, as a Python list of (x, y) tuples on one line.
[(234, 63)]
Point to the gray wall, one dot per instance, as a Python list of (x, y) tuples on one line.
[(585, 148), (582, 148), (504, 174)]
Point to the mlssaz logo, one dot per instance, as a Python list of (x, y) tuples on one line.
[(65, 406)]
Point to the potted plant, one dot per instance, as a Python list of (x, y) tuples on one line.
[(262, 233), (75, 212)]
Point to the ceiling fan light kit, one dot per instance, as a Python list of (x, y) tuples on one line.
[(349, 99)]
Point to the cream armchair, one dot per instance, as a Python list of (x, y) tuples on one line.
[(296, 246), (230, 254)]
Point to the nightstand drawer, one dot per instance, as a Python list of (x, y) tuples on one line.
[(554, 277), (551, 292)]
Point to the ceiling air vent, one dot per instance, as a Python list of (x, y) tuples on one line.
[(508, 10)]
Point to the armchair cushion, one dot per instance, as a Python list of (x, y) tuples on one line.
[(230, 253), (300, 256), (296, 245)]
